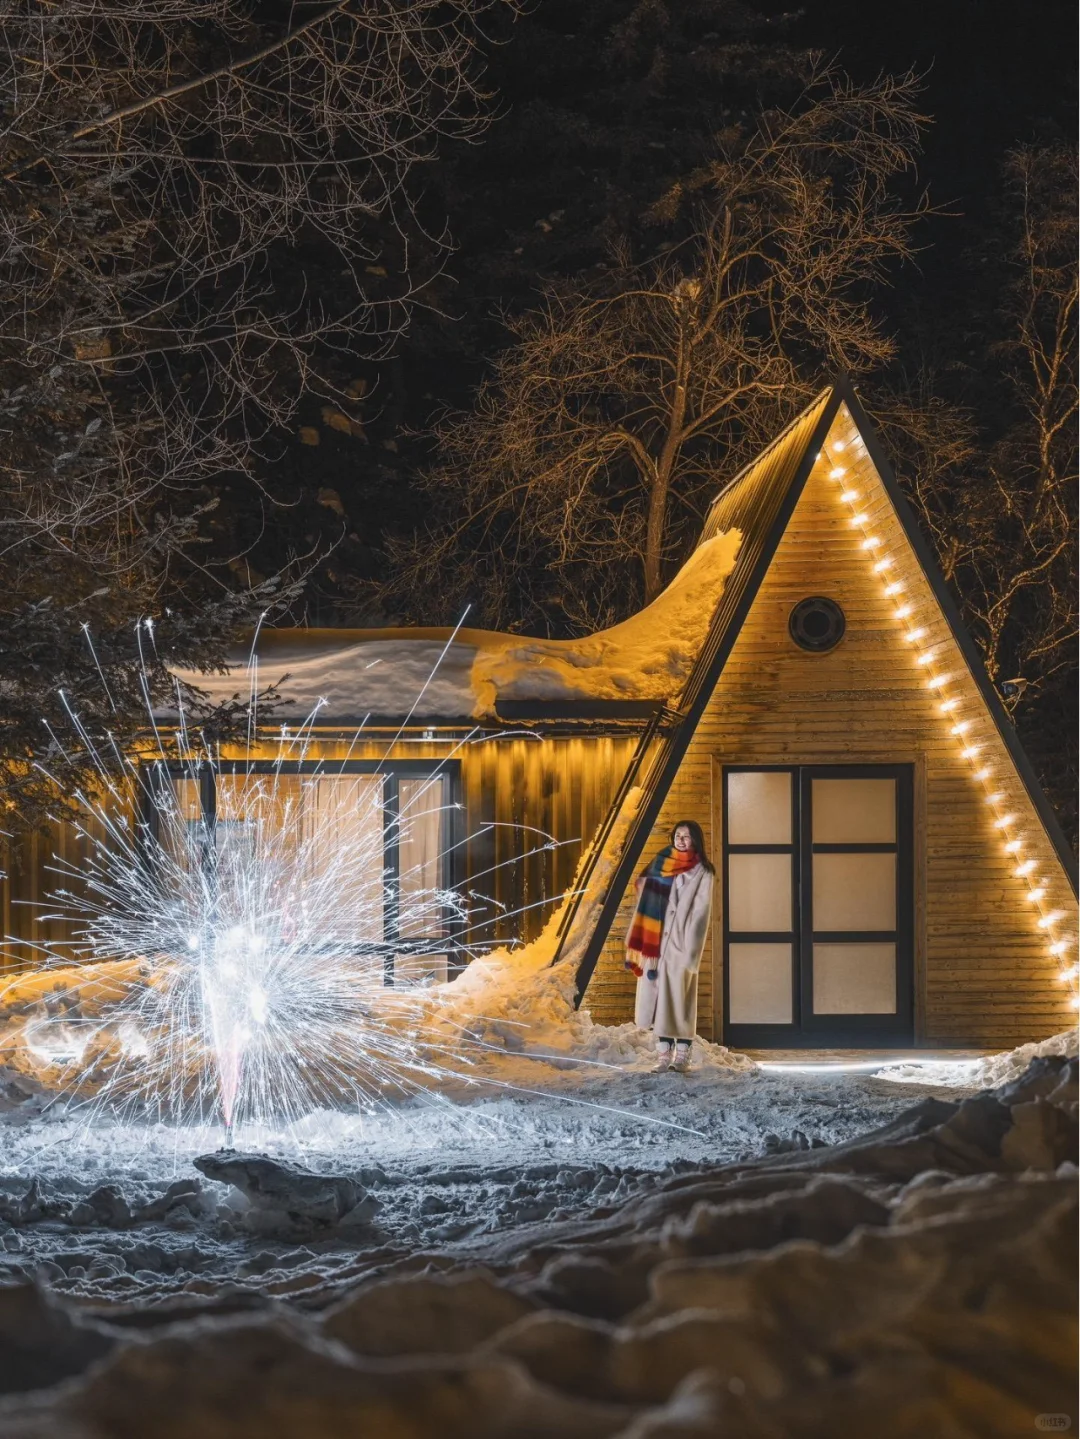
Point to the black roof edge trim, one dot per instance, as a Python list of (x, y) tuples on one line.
[(584, 709), (926, 557)]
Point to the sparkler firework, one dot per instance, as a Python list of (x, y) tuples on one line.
[(258, 932)]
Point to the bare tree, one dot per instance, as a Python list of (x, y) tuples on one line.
[(199, 204), (562, 498)]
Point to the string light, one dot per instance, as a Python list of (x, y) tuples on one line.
[(915, 635)]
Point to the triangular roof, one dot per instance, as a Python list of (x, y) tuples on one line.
[(760, 502)]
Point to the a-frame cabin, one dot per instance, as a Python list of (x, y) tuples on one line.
[(889, 870)]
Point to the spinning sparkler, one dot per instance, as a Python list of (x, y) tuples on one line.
[(253, 962)]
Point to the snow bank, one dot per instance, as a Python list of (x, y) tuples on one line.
[(55, 1020), (646, 657), (350, 674), (987, 1073)]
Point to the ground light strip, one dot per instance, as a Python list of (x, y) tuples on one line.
[(942, 685)]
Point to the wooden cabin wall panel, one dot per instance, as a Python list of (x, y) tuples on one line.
[(29, 878), (566, 809), (509, 798), (578, 783), (516, 791), (986, 976)]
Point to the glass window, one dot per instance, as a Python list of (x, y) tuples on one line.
[(854, 811), (759, 892), (422, 804), (855, 891), (857, 978), (342, 824), (420, 969), (180, 829), (759, 806), (759, 983)]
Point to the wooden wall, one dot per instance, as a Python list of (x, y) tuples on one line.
[(517, 788), (984, 976)]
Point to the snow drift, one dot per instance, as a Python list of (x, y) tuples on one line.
[(464, 674)]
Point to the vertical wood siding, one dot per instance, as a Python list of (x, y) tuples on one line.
[(518, 792)]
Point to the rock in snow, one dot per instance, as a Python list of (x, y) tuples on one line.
[(280, 1188), (918, 1279)]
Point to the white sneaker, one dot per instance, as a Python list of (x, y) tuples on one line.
[(681, 1063), (663, 1058)]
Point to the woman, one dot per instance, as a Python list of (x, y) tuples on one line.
[(665, 941)]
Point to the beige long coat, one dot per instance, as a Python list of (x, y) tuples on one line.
[(668, 1004)]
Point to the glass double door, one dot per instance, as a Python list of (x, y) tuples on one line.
[(817, 906)]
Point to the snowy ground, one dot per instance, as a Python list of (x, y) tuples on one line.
[(554, 1143), (562, 1251), (552, 1118)]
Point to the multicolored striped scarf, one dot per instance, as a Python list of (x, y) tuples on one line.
[(643, 941)]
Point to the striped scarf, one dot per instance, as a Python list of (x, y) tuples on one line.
[(643, 941)]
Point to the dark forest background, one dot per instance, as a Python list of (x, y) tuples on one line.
[(597, 108)]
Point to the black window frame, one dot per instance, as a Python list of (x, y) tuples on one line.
[(453, 835), (808, 1030)]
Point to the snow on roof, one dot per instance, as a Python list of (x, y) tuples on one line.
[(464, 675)]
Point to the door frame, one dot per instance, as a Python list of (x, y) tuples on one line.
[(866, 1032)]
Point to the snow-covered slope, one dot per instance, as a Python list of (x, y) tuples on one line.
[(352, 673)]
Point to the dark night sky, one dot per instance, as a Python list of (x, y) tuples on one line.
[(997, 72)]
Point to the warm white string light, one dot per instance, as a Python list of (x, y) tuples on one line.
[(936, 682)]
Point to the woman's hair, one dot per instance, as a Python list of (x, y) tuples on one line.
[(697, 839)]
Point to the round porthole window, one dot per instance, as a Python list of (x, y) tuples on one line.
[(816, 624)]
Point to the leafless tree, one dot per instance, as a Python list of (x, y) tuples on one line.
[(199, 203), (562, 498)]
